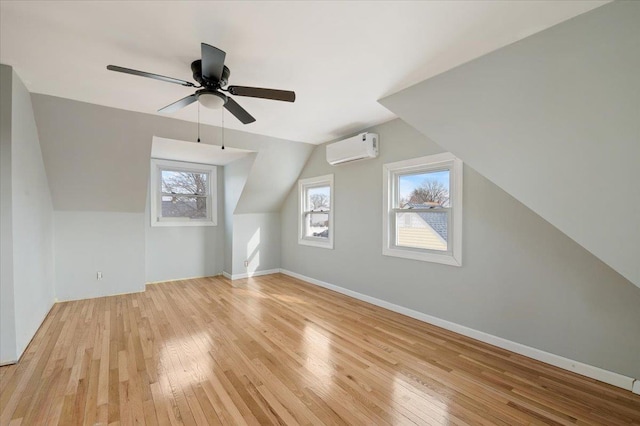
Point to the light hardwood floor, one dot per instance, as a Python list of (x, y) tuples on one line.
[(279, 351)]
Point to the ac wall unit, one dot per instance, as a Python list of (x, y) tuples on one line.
[(360, 147)]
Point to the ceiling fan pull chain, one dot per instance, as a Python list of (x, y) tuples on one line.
[(222, 128), (198, 122)]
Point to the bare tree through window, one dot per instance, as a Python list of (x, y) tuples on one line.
[(319, 201), (318, 206), (184, 194), (430, 191)]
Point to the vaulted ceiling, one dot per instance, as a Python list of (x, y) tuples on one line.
[(552, 120), (339, 57)]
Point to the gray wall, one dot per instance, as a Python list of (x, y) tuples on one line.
[(97, 161), (256, 239), (176, 252), (110, 148), (522, 279), (272, 175), (554, 120), (235, 178), (33, 276), (7, 309), (30, 240), (252, 237), (109, 242)]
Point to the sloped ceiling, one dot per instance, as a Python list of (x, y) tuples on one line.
[(339, 56), (97, 158), (272, 176), (554, 120), (193, 152)]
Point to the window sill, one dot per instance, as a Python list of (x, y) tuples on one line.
[(445, 259), (315, 243), (163, 223)]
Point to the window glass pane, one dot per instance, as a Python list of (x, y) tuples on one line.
[(422, 230), (423, 189), (183, 206), (174, 182), (317, 225), (318, 198)]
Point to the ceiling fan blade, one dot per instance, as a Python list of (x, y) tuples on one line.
[(179, 104), (212, 62), (150, 75), (258, 92), (239, 112)]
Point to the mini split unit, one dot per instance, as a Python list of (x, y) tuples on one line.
[(360, 147)]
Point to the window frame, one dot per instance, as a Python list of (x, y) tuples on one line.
[(431, 163), (303, 185), (155, 193)]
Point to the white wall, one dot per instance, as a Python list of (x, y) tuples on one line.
[(27, 248), (554, 120), (176, 252), (522, 279), (88, 242)]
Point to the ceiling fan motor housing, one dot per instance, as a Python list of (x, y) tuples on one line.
[(196, 68)]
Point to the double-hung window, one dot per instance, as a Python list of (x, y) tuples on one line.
[(182, 194), (422, 216), (315, 214)]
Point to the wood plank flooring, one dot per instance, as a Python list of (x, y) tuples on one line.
[(277, 350)]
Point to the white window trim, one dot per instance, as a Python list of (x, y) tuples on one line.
[(155, 188), (311, 241), (435, 162)]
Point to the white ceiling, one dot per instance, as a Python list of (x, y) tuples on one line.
[(192, 152), (339, 57)]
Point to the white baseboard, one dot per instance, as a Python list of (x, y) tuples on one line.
[(56, 300), (250, 274), (587, 370), (182, 279), (97, 297)]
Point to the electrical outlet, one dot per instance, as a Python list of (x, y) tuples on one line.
[(99, 275), (246, 263)]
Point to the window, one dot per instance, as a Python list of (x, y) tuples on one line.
[(315, 214), (182, 194), (422, 216)]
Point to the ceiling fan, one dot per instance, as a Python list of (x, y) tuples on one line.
[(212, 75)]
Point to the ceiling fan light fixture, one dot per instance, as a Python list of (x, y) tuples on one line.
[(212, 100)]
